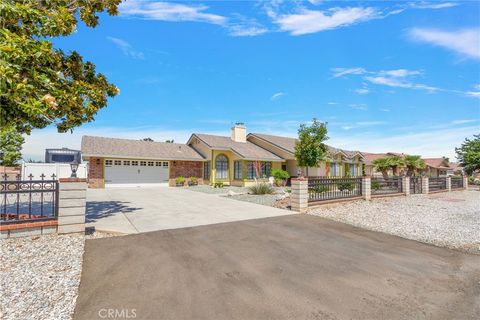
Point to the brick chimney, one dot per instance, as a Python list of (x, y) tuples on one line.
[(239, 132)]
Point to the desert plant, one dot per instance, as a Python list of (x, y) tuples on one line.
[(261, 188), (193, 181)]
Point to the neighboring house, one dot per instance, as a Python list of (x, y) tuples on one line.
[(438, 167), (457, 168), (340, 163), (123, 161), (370, 157), (233, 160)]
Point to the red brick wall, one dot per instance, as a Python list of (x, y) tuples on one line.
[(186, 169), (95, 173)]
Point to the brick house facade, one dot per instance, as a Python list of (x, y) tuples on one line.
[(96, 173)]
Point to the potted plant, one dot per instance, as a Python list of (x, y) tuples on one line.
[(179, 181), (193, 181)]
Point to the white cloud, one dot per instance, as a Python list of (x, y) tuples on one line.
[(432, 5), (385, 110), (166, 11), (399, 73), (310, 21), (464, 121), (358, 106), (277, 96), (464, 42), (332, 103), (246, 27), (126, 48), (362, 91), (340, 72)]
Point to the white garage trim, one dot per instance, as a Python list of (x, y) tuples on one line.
[(136, 171)]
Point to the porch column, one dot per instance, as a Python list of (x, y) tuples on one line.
[(367, 188), (425, 185), (72, 205), (449, 183), (406, 185), (299, 197)]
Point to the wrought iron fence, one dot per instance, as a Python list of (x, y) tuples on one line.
[(415, 185), (28, 200), (322, 189), (381, 185), (437, 184), (457, 182)]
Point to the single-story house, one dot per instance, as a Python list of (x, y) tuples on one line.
[(340, 163), (124, 161), (370, 157), (236, 160), (438, 167)]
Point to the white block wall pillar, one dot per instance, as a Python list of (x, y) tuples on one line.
[(299, 197), (465, 182), (367, 188), (425, 185), (72, 201), (406, 185), (449, 183)]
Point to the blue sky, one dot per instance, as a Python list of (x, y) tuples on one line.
[(386, 76)]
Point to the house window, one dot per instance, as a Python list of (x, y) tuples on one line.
[(335, 169), (158, 164), (353, 170), (143, 163), (284, 167), (150, 163), (126, 162), (165, 164), (221, 165), (251, 172), (265, 169), (206, 170), (134, 163), (117, 162), (108, 162), (237, 170)]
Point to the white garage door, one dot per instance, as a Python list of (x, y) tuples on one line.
[(135, 171)]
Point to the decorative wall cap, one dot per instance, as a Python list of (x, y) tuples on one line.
[(64, 180), (299, 179)]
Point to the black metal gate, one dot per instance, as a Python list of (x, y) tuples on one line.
[(415, 185), (28, 200)]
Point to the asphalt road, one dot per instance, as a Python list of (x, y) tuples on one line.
[(288, 267)]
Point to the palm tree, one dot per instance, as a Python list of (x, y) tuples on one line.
[(395, 163), (382, 165), (413, 164)]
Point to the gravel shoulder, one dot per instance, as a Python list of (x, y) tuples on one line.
[(449, 220), (40, 275)]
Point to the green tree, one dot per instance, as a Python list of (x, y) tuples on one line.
[(386, 163), (468, 154), (41, 85), (310, 149), (10, 146), (414, 164)]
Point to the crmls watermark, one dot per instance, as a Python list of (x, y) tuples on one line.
[(117, 313)]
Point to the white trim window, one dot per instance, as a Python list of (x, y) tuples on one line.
[(221, 167), (353, 169), (334, 169), (108, 162)]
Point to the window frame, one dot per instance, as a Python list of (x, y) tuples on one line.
[(237, 170), (221, 173), (143, 163), (263, 165), (135, 163), (251, 172), (206, 170), (109, 162)]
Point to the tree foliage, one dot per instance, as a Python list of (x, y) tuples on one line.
[(388, 163), (41, 85), (414, 164), (310, 149), (468, 154), (10, 146)]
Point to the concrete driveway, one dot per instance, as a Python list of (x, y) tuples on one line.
[(143, 209), (290, 267)]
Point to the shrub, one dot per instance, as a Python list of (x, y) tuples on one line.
[(261, 188), (375, 185), (179, 180), (218, 184), (318, 189), (194, 180), (280, 176), (345, 186)]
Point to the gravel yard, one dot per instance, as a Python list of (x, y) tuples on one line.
[(449, 220), (41, 275), (212, 190)]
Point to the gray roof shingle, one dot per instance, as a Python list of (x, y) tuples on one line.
[(246, 150), (288, 144), (127, 148)]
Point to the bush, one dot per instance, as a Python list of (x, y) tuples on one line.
[(194, 180), (318, 189), (280, 176), (179, 181), (345, 186), (375, 185), (218, 184), (261, 188)]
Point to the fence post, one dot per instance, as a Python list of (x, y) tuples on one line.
[(465, 182), (299, 197), (367, 188), (72, 205), (449, 183), (425, 185), (406, 185)]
